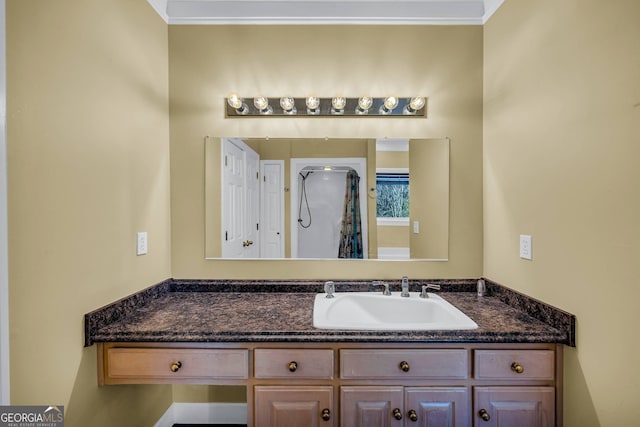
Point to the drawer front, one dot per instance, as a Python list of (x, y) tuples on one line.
[(294, 363), (514, 364), (407, 364), (178, 364)]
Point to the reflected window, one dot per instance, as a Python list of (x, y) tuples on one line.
[(392, 196)]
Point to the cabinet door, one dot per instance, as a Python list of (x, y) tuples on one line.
[(514, 406), (366, 406), (290, 406), (437, 406)]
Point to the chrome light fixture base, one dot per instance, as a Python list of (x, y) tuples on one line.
[(312, 106)]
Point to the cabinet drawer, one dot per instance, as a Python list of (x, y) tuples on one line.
[(407, 364), (294, 363), (176, 364), (514, 364)]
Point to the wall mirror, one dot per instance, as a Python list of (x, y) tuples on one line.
[(313, 198)]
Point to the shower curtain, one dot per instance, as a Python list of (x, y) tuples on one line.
[(351, 227)]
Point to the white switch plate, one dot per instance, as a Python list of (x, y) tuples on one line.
[(141, 247), (525, 247), (416, 227)]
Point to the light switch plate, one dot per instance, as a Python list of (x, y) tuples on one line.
[(141, 247), (525, 247)]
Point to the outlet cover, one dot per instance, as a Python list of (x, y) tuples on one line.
[(525, 247)]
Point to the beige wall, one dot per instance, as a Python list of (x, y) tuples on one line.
[(561, 150), (88, 151), (443, 63)]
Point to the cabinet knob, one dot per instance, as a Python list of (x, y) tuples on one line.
[(293, 365), (482, 413), (175, 366), (413, 415), (397, 414), (326, 414), (404, 366), (517, 368)]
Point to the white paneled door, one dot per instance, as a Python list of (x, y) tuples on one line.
[(272, 203), (240, 200)]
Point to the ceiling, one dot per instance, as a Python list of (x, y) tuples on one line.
[(405, 12)]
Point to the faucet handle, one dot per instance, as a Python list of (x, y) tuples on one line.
[(329, 288), (424, 293), (386, 290)]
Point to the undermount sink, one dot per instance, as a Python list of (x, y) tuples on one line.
[(374, 311)]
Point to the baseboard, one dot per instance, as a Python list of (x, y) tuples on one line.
[(204, 413)]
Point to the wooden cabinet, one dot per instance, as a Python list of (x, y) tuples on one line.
[(369, 406), (359, 384), (514, 406), (294, 406)]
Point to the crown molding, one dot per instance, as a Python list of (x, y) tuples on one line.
[(323, 12)]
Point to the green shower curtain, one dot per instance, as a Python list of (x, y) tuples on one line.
[(351, 227)]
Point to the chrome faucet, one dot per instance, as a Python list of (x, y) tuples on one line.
[(424, 293), (405, 287), (329, 288), (386, 290)]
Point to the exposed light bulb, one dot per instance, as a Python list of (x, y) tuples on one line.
[(337, 105), (390, 102), (236, 102), (262, 104), (364, 103), (288, 105), (414, 105), (313, 102)]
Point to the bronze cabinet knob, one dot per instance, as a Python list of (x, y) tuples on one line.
[(397, 414), (482, 413), (175, 366), (293, 366), (326, 414), (404, 366), (413, 415), (517, 368)]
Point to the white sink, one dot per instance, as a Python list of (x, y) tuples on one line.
[(374, 311)]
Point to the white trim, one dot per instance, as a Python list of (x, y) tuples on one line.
[(490, 7), (204, 413), (4, 227), (325, 12), (160, 6)]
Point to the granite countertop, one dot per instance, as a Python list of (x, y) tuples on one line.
[(239, 311)]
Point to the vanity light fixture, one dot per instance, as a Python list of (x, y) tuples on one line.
[(414, 105), (288, 105), (336, 106), (262, 104), (389, 104)]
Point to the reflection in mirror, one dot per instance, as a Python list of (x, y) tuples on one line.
[(255, 203)]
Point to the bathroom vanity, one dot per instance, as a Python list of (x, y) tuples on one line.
[(507, 372)]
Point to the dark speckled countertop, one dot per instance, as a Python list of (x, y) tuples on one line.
[(280, 311)]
